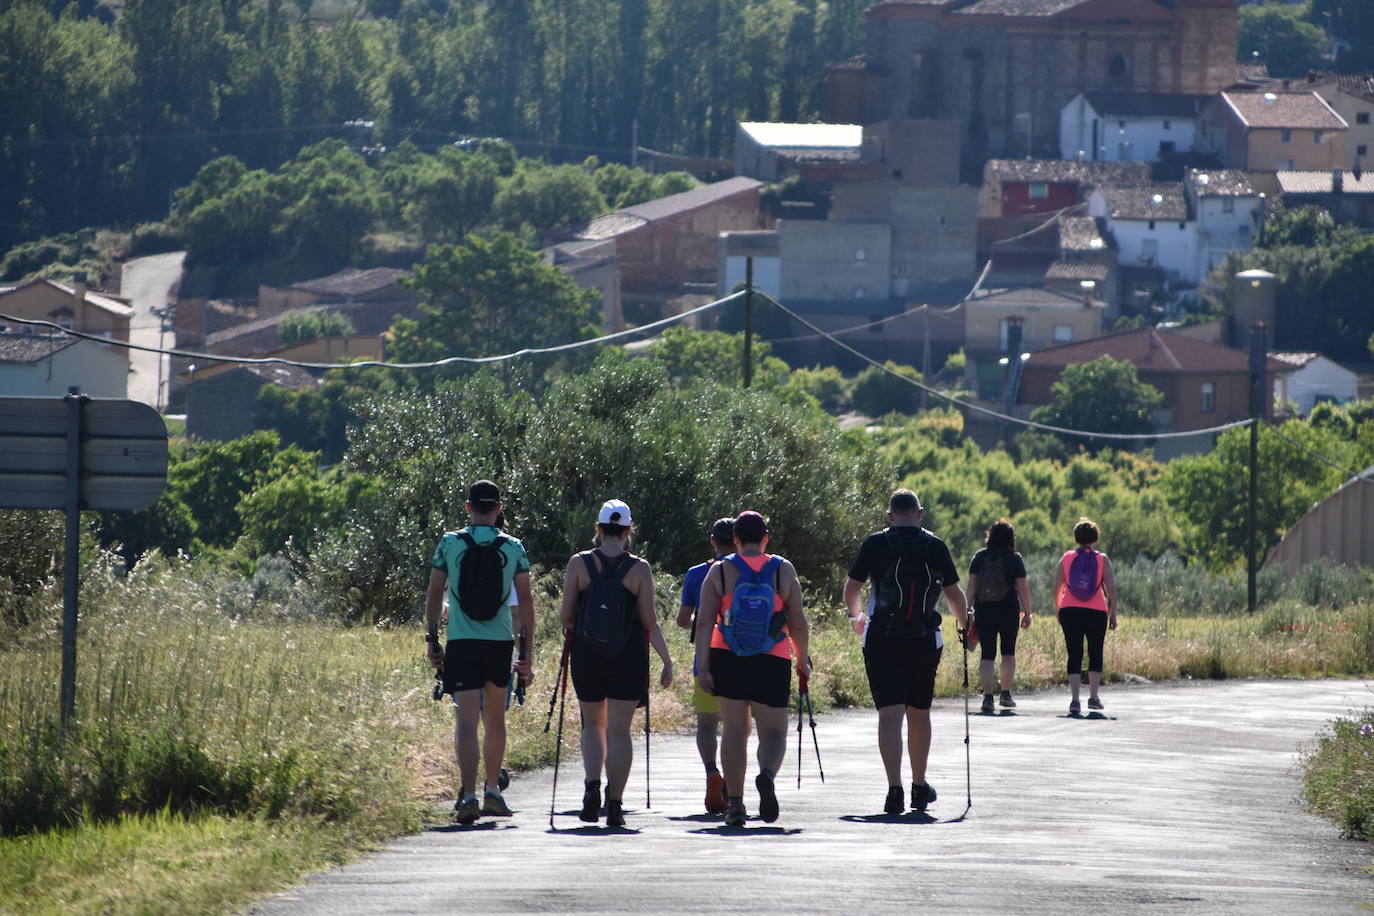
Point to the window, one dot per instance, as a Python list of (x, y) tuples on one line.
[(1286, 136), (1063, 333), (1361, 117), (860, 292), (1152, 225), (1167, 147), (1182, 226), (1039, 190), (1243, 229), (1362, 150), (1166, 124), (1149, 250), (1316, 136), (1121, 125), (901, 270), (860, 254), (1228, 205), (1209, 397)]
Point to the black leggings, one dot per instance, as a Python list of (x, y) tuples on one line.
[(997, 620), (1078, 622)]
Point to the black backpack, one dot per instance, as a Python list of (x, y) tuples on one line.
[(482, 588), (603, 620), (904, 606), (992, 578)]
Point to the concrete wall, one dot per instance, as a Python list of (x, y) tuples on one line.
[(665, 254), (1321, 378), (934, 229), (1267, 149), (41, 301), (1351, 107), (983, 324), (834, 259), (1221, 232)]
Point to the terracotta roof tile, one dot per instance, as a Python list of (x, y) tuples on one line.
[(1220, 183), (1066, 170), (1287, 110), (30, 348), (1149, 349), (1156, 200), (1321, 182)]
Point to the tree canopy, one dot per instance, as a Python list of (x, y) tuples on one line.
[(1104, 396)]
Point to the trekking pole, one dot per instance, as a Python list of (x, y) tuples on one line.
[(647, 803), (801, 698), (562, 667), (811, 717), (968, 764), (558, 744)]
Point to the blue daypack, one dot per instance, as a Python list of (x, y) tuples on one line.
[(750, 625), (1083, 578)]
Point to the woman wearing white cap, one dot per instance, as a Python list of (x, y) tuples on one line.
[(608, 604)]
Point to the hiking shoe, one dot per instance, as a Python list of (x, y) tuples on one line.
[(591, 803), (987, 703), (922, 795), (896, 801), (1094, 703), (1074, 708), (466, 810), (494, 804), (715, 793), (1007, 701), (768, 799), (615, 813), (735, 815)]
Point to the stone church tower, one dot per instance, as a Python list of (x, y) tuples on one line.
[(1004, 68)]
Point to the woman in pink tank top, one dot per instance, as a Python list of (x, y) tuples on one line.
[(1085, 593)]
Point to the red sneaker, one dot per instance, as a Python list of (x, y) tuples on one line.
[(715, 793)]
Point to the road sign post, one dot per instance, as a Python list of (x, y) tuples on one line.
[(76, 453)]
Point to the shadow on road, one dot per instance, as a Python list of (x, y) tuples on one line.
[(746, 830), (594, 830), (465, 828), (911, 817)]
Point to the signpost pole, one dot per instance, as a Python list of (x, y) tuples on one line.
[(72, 559)]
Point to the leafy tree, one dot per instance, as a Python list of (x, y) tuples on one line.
[(824, 383), (296, 509), (714, 357), (313, 419), (489, 296), (878, 392), (539, 198), (1304, 226), (1285, 42), (1105, 396), (300, 325)]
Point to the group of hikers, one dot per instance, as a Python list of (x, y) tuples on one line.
[(744, 610)]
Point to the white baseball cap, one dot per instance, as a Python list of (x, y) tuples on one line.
[(614, 512)]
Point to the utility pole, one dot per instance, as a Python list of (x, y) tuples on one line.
[(1259, 336), (748, 321)]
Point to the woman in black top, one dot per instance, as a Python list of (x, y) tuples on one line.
[(999, 594)]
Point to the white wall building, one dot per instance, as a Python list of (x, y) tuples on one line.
[(1152, 227), (33, 365), (1351, 95), (1228, 211), (1314, 379), (1128, 126)]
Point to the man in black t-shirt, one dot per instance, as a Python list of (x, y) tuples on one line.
[(908, 568)]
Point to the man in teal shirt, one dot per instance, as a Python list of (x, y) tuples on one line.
[(476, 662)]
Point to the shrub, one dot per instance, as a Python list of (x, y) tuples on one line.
[(1339, 775)]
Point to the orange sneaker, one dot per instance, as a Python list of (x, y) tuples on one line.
[(715, 793)]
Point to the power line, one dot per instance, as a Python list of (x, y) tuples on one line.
[(448, 361), (1356, 475), (964, 405)]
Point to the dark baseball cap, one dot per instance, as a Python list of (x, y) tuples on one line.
[(723, 530), (484, 494), (750, 527)]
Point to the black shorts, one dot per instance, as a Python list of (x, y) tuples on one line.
[(996, 621), (470, 663), (762, 679), (901, 672), (596, 678)]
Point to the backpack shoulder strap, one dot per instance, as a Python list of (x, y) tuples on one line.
[(586, 556), (737, 561), (466, 538)]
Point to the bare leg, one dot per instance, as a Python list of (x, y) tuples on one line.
[(918, 741), (1008, 671), (734, 744), (1074, 681), (465, 746), (1094, 681), (707, 725), (619, 747), (493, 733), (890, 742), (771, 722), (593, 739), (985, 671)]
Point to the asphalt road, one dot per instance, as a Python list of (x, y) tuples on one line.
[(1183, 800), (150, 284)]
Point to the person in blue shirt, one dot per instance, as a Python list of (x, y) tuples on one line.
[(722, 540)]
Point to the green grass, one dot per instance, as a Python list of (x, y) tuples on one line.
[(216, 716), (1338, 775)]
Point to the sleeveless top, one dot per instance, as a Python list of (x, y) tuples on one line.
[(783, 648), (1066, 598)]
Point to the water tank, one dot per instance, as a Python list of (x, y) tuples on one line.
[(1253, 297)]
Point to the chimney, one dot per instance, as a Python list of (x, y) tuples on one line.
[(1337, 181)]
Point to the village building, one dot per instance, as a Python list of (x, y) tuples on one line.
[(1129, 126), (1267, 131)]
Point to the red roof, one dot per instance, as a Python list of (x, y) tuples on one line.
[(1151, 350)]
